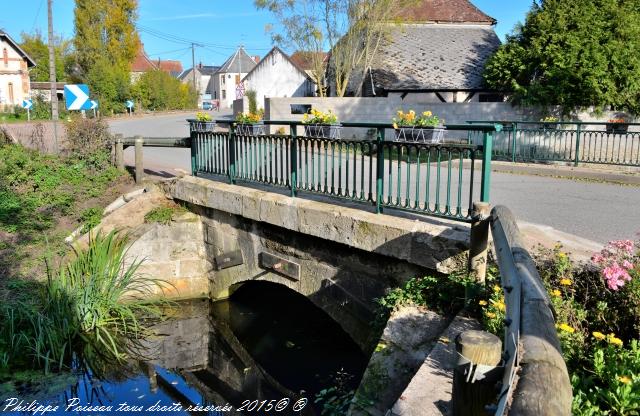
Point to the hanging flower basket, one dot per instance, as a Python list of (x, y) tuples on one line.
[(202, 126), (322, 131), (420, 134), (250, 129)]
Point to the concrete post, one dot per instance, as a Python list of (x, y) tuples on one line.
[(479, 241), (475, 373), (119, 152), (139, 165)]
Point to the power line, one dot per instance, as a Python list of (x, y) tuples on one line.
[(177, 39), (166, 52), (35, 20)]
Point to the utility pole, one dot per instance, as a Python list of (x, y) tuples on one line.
[(193, 66), (52, 76)]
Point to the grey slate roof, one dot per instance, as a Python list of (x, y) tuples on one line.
[(239, 62), (434, 57)]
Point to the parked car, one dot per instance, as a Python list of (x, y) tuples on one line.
[(207, 105)]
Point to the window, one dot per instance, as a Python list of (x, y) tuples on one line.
[(5, 57), (237, 79), (490, 98), (224, 94), (300, 108), (222, 79), (10, 93)]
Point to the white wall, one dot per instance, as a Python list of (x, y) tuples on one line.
[(275, 76), (13, 71), (224, 85)]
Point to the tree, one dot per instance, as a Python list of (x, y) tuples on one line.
[(36, 47), (157, 90), (352, 30), (572, 53), (106, 43)]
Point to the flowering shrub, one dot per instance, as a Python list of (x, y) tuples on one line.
[(616, 261), (201, 116), (318, 117), (409, 119), (250, 118)]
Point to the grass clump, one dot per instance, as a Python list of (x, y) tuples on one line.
[(164, 214), (78, 312), (90, 217)]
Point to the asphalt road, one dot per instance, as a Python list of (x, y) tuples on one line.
[(596, 211)]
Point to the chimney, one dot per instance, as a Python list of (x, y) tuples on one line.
[(200, 65), (256, 58)]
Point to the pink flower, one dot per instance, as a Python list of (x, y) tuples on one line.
[(615, 276), (597, 258), (623, 245), (627, 265)]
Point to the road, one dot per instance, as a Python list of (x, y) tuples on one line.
[(596, 211)]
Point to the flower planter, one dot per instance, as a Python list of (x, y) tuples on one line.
[(549, 126), (202, 126), (322, 131), (617, 128), (420, 134), (255, 129)]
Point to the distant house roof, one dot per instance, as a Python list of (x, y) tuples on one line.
[(240, 62), (434, 57), (5, 36), (172, 67), (444, 11), (274, 50), (304, 59), (141, 62)]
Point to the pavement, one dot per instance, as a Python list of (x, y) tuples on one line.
[(583, 206)]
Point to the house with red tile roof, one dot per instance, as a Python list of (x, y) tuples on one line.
[(142, 63)]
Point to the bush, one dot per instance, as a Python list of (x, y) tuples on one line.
[(157, 90), (89, 140)]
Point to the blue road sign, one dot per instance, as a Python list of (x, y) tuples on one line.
[(129, 103), (94, 105), (77, 97), (27, 104)]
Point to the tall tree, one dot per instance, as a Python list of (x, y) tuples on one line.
[(106, 44), (572, 53), (36, 47), (352, 31)]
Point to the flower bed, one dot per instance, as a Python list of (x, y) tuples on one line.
[(202, 123), (318, 124)]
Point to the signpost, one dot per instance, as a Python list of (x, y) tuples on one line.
[(27, 104), (94, 106), (77, 97), (129, 104), (239, 90)]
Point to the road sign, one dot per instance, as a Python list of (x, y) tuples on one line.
[(129, 103), (239, 91), (27, 104), (77, 97), (94, 105)]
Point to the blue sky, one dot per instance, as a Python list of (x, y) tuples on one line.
[(221, 25)]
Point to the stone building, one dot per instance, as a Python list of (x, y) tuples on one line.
[(15, 85)]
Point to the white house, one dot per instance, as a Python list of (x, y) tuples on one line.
[(14, 73), (226, 83), (276, 75), (203, 74)]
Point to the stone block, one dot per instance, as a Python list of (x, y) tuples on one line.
[(279, 210), (192, 268)]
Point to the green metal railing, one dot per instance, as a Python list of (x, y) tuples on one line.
[(573, 142), (435, 179)]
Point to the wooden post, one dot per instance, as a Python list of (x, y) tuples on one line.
[(479, 241), (139, 167), (475, 373), (119, 152)]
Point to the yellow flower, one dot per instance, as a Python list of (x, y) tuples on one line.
[(395, 125), (482, 303), (427, 114), (624, 379), (496, 288), (400, 113), (556, 292), (499, 305), (566, 328), (490, 315), (565, 282), (562, 255), (612, 339), (598, 335)]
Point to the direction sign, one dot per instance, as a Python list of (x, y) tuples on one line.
[(129, 103), (94, 105), (27, 104), (77, 97)]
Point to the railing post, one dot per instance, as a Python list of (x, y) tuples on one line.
[(119, 152), (475, 374), (293, 155), (578, 131), (514, 134), (485, 185), (379, 169), (194, 153), (139, 173), (232, 154)]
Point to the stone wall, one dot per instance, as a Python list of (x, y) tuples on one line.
[(36, 135)]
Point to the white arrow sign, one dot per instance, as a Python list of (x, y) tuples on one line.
[(80, 97), (27, 104), (94, 105)]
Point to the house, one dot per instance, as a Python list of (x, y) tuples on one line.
[(43, 89), (15, 85), (277, 75), (437, 54), (142, 63), (203, 74), (226, 84)]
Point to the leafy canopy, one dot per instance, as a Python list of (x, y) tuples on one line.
[(572, 53)]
